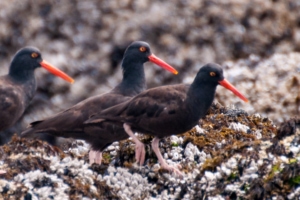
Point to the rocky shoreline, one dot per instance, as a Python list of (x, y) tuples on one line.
[(231, 154), (241, 151)]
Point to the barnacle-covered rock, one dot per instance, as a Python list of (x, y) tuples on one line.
[(219, 160), (237, 152)]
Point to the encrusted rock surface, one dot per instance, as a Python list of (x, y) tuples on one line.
[(230, 154)]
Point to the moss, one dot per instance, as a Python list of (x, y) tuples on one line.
[(211, 164), (128, 164), (246, 187), (293, 160), (294, 181), (106, 158), (282, 179), (78, 188), (275, 170), (174, 144), (233, 176)]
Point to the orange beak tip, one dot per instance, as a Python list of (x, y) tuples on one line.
[(162, 64), (228, 86), (56, 71)]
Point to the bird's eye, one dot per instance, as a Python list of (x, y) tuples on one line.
[(212, 74), (34, 55), (142, 49)]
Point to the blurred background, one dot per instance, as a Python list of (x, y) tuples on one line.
[(257, 42)]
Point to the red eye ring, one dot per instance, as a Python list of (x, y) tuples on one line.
[(34, 55), (143, 49)]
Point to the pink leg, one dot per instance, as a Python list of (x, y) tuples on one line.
[(163, 163), (95, 157), (2, 171), (139, 146)]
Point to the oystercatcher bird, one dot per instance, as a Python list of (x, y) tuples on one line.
[(18, 87), (166, 110), (70, 123)]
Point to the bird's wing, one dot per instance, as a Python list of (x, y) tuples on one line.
[(69, 123), (151, 103), (8, 100), (12, 105)]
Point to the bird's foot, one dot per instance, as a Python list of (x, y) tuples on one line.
[(140, 153), (172, 169), (2, 172), (162, 161), (95, 157)]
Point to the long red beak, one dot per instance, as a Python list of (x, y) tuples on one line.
[(162, 63), (56, 71), (230, 87)]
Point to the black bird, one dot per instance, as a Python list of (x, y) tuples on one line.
[(166, 110), (18, 87), (70, 123)]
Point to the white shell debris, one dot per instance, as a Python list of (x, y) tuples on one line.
[(191, 151), (132, 185), (239, 127), (199, 130)]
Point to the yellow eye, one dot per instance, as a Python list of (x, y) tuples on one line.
[(34, 55), (212, 74), (142, 49)]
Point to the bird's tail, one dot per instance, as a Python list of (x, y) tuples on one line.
[(30, 132)]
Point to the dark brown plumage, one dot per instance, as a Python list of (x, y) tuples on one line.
[(166, 110), (18, 87), (69, 123)]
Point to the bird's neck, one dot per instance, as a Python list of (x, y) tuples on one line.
[(26, 86), (22, 75), (134, 81), (30, 89), (199, 98)]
